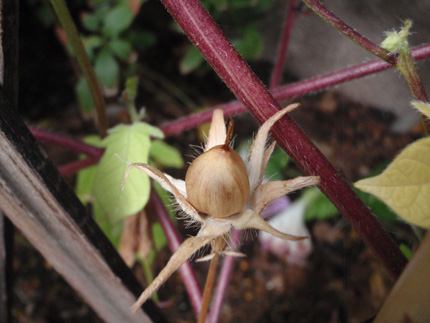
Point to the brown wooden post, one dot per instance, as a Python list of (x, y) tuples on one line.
[(38, 201), (9, 83)]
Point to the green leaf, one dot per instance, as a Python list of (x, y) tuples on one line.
[(191, 61), (85, 178), (146, 128), (379, 208), (91, 22), (406, 251), (112, 230), (158, 236), (405, 185), (107, 69), (141, 39), (132, 143), (121, 48), (131, 89), (277, 164), (117, 20), (165, 198), (166, 155), (422, 107), (92, 42), (83, 93), (251, 45), (318, 206)]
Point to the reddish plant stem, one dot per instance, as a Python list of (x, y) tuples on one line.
[(317, 7), (292, 90), (66, 142), (174, 241), (76, 166), (281, 93), (233, 70), (283, 46), (410, 72)]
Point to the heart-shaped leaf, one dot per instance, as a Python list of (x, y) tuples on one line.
[(132, 143), (405, 184)]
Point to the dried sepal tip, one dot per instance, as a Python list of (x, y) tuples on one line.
[(185, 251)]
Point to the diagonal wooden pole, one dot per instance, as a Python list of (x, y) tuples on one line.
[(9, 10)]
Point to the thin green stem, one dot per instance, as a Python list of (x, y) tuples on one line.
[(132, 112), (129, 95), (406, 65), (69, 27)]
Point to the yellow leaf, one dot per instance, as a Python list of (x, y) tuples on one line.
[(405, 184), (422, 107)]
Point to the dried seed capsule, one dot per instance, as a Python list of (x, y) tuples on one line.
[(217, 182)]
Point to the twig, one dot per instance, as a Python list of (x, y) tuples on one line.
[(317, 7), (233, 70), (174, 241), (210, 279), (223, 280), (281, 93), (66, 142), (69, 27), (77, 165), (282, 50), (292, 90)]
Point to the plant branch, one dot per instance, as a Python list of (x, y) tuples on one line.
[(210, 279), (69, 27), (233, 70), (406, 65), (67, 142), (317, 7), (218, 245), (282, 51), (223, 280), (174, 241), (77, 165), (292, 90)]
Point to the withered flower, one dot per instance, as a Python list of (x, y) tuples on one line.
[(222, 192)]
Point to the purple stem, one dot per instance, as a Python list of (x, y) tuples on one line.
[(66, 142), (223, 280), (283, 46), (281, 93), (234, 71), (292, 90), (174, 241), (349, 32), (77, 165)]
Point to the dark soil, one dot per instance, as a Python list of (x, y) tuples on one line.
[(340, 282)]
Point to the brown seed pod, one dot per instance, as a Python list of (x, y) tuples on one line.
[(217, 182)]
